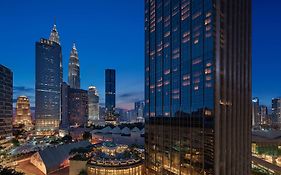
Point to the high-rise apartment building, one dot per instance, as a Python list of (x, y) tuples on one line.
[(74, 69), (110, 88), (6, 102), (93, 105), (198, 87), (23, 114), (48, 82)]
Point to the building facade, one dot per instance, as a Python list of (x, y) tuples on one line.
[(48, 80), (74, 69), (64, 106), (139, 107), (110, 88), (256, 118), (264, 115), (6, 102), (23, 114), (276, 111), (77, 106), (197, 103), (93, 104)]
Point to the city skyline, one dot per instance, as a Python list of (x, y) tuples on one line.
[(84, 27)]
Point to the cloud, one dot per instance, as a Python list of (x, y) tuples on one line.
[(26, 91), (23, 89), (130, 97)]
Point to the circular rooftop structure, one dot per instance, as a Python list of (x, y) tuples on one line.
[(110, 158)]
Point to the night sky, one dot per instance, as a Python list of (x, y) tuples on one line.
[(110, 34)]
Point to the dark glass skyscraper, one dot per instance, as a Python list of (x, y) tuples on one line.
[(74, 69), (110, 88), (48, 84), (6, 102), (198, 86), (64, 106)]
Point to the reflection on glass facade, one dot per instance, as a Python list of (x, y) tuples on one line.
[(110, 90), (197, 86), (48, 85), (6, 102)]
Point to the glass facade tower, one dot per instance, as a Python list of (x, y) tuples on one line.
[(6, 102), (198, 86), (110, 88), (48, 86)]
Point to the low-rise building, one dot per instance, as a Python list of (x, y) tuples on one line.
[(52, 159), (108, 158)]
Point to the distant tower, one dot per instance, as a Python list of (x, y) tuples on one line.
[(276, 111), (256, 119), (93, 104), (23, 114), (110, 88), (74, 69)]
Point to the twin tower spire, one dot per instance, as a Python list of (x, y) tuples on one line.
[(73, 65)]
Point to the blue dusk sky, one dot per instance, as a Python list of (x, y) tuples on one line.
[(110, 34)]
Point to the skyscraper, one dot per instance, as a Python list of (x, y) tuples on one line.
[(139, 108), (54, 36), (6, 101), (93, 104), (74, 69), (198, 86), (77, 106), (48, 82), (64, 106), (276, 111), (264, 115), (256, 118), (23, 114), (110, 88)]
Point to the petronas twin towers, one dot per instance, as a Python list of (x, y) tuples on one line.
[(73, 65)]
